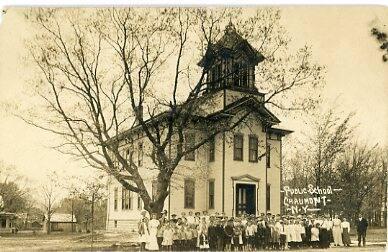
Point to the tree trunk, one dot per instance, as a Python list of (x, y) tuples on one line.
[(156, 205), (72, 215), (48, 225), (93, 197)]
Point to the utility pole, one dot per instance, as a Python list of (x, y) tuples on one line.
[(72, 212), (93, 197)]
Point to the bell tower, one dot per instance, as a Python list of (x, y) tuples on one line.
[(230, 63)]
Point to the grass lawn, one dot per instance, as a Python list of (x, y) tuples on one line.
[(372, 235), (121, 242), (64, 242)]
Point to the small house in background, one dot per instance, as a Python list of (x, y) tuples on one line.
[(7, 222), (61, 222)]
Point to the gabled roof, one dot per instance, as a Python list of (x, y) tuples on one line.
[(266, 116), (252, 103), (8, 214), (62, 218), (282, 132), (246, 177)]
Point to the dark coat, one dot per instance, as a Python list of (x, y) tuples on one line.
[(362, 225)]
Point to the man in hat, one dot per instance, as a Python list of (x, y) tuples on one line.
[(173, 218), (220, 233), (362, 225)]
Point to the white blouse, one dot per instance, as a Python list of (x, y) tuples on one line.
[(345, 224)]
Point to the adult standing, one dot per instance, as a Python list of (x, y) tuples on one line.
[(337, 231), (362, 225), (143, 230), (345, 227), (220, 235), (229, 231), (324, 234), (203, 234), (159, 234), (153, 229), (314, 240), (212, 234)]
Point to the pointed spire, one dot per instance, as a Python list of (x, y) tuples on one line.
[(230, 27)]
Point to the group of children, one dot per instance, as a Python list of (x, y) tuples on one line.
[(245, 233)]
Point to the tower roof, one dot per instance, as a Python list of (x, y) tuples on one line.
[(229, 45)]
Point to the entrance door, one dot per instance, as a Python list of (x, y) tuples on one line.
[(245, 199)]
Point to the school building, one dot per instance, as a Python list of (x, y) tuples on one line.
[(237, 172)]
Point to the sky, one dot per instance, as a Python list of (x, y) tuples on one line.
[(356, 80)]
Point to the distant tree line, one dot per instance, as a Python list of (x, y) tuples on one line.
[(87, 204), (332, 156), (16, 198)]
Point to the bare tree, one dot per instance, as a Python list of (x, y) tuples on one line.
[(14, 194), (93, 192), (360, 172), (50, 197), (102, 68), (315, 160)]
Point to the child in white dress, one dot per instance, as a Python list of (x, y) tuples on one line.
[(168, 234)]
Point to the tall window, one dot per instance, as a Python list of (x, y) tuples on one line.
[(253, 148), (268, 198), (140, 154), (189, 143), (139, 202), (116, 198), (126, 199), (212, 149), (211, 194), (238, 144), (189, 193), (268, 155)]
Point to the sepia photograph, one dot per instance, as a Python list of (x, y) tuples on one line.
[(194, 128)]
